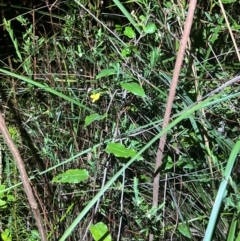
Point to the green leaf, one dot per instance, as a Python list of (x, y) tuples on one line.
[(72, 176), (142, 18), (188, 166), (3, 204), (125, 52), (134, 88), (129, 32), (118, 27), (184, 230), (120, 150), (6, 235), (100, 231), (150, 28), (169, 164), (91, 118), (33, 236), (2, 188), (10, 198), (106, 72)]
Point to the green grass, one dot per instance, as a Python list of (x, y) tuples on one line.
[(45, 95)]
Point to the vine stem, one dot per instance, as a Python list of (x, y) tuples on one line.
[(24, 177), (172, 91)]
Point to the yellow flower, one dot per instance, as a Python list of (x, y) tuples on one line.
[(95, 97)]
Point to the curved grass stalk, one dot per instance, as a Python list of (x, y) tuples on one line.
[(46, 88)]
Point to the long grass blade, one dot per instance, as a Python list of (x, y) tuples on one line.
[(221, 192), (127, 15), (46, 88)]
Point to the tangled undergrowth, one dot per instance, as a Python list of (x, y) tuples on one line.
[(85, 76)]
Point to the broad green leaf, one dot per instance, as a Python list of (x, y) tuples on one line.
[(6, 235), (106, 72), (188, 166), (129, 32), (134, 88), (71, 176), (10, 198), (169, 164), (91, 118), (120, 150), (100, 231), (150, 28), (125, 52), (184, 230), (34, 235), (2, 204), (142, 18)]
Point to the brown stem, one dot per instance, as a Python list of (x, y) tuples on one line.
[(24, 177), (178, 64)]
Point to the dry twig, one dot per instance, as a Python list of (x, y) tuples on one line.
[(24, 177), (171, 96)]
